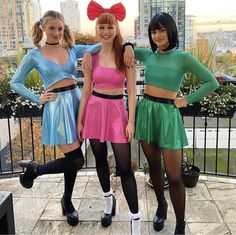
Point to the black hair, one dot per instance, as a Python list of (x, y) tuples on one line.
[(165, 20)]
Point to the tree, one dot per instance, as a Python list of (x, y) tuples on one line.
[(85, 39)]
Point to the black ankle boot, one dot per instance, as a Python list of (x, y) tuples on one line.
[(160, 217), (27, 178), (180, 228), (72, 217), (106, 219)]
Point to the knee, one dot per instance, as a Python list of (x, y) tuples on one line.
[(76, 159), (175, 180)]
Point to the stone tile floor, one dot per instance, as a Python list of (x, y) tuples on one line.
[(210, 206)]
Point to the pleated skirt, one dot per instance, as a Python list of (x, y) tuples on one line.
[(105, 120), (160, 124), (59, 124)]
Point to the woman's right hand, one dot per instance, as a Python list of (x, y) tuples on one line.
[(47, 96), (80, 128)]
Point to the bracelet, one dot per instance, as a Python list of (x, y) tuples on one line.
[(127, 44)]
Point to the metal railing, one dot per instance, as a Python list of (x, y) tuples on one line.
[(209, 149)]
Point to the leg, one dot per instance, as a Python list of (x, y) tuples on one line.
[(122, 154), (153, 155), (172, 161), (100, 152)]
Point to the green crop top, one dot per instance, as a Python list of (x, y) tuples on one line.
[(166, 70)]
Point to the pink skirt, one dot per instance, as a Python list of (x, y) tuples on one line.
[(105, 120)]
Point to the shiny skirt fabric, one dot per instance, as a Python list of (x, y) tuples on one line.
[(59, 125), (105, 120), (161, 124)]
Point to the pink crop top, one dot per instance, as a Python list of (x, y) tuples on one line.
[(106, 78)]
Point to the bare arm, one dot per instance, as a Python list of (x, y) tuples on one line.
[(87, 89), (131, 88)]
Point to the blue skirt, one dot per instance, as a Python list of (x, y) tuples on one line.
[(59, 125)]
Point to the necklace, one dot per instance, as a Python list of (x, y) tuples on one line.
[(56, 43)]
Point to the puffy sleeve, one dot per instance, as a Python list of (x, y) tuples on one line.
[(141, 53), (17, 82), (202, 73), (81, 49)]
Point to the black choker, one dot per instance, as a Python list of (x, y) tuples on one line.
[(52, 43)]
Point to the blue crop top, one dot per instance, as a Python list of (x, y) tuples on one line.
[(105, 77), (49, 71), (166, 70)]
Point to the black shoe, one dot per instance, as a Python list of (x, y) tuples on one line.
[(72, 217), (160, 217), (27, 178), (106, 219), (180, 228)]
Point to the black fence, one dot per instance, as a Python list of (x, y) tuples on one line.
[(212, 141)]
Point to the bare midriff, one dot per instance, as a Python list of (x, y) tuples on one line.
[(115, 91), (63, 83), (159, 92)]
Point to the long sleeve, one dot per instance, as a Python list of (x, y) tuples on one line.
[(202, 73), (81, 49), (141, 53), (17, 82)]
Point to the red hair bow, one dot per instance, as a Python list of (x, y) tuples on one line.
[(94, 10)]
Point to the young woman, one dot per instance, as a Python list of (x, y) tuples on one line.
[(55, 61), (102, 114), (159, 126)]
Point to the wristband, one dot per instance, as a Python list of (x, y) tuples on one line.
[(127, 44)]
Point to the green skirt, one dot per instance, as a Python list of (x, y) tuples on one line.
[(160, 124)]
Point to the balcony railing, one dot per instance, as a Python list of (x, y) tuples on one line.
[(212, 142)]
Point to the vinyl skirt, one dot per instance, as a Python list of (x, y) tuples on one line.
[(105, 120), (160, 123), (59, 125)]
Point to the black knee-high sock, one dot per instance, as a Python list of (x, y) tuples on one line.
[(69, 165), (72, 162)]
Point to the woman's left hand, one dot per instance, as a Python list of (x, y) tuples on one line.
[(180, 102), (128, 56), (129, 131)]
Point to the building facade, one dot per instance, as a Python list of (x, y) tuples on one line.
[(190, 31), (16, 20), (149, 8), (70, 11)]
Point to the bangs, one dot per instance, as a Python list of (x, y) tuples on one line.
[(156, 24), (107, 18)]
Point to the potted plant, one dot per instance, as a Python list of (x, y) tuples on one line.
[(190, 173), (149, 181)]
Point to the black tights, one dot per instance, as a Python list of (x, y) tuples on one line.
[(69, 165), (172, 163), (122, 153)]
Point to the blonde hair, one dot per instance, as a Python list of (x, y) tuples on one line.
[(107, 18), (37, 32)]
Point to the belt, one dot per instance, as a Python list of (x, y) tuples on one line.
[(64, 88), (158, 99), (105, 96)]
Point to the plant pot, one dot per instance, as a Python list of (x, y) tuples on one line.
[(166, 183), (190, 179)]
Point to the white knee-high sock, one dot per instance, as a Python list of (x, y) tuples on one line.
[(135, 223), (108, 201)]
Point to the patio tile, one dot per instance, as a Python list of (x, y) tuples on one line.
[(88, 228), (52, 228), (200, 192), (228, 210), (222, 191), (53, 210), (202, 211), (208, 228), (232, 228)]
